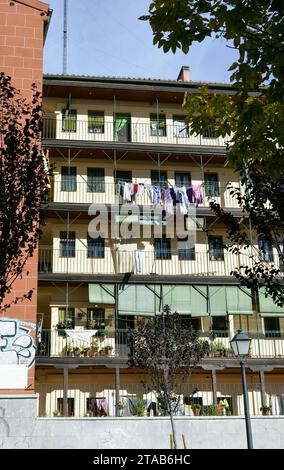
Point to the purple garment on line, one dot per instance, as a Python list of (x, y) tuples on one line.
[(156, 194), (168, 201), (189, 194), (197, 197)]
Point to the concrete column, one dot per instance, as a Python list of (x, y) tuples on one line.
[(117, 390), (65, 392), (262, 388), (214, 386)]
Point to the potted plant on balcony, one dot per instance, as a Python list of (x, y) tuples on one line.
[(196, 408), (108, 350), (266, 410), (67, 324)]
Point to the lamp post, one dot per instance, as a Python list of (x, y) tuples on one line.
[(240, 345)]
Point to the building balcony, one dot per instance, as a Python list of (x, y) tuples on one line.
[(81, 191), (110, 344), (120, 262), (138, 131)]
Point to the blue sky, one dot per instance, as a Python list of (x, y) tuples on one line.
[(105, 37)]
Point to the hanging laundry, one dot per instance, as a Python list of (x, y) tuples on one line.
[(156, 194), (135, 188), (138, 260), (197, 197), (168, 201), (128, 192), (184, 201)]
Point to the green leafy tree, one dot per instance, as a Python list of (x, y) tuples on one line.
[(169, 354), (253, 114), (22, 182), (250, 115)]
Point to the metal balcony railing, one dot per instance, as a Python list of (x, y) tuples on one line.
[(83, 191), (120, 261), (113, 343), (98, 399), (134, 131)]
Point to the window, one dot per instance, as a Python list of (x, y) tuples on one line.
[(68, 178), (158, 125), (66, 315), (159, 178), (211, 184), (69, 120), (97, 406), (96, 122), (272, 327), (182, 179), (180, 126), (220, 326), (265, 250), (70, 406), (185, 250), (210, 133), (162, 248), (121, 177), (67, 244), (95, 247), (95, 180), (122, 127), (96, 318), (216, 252), (189, 322)]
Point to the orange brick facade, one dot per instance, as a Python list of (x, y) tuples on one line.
[(21, 57)]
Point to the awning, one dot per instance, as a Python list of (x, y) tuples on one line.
[(267, 307), (138, 300), (199, 303), (101, 294), (178, 298), (239, 301), (217, 301)]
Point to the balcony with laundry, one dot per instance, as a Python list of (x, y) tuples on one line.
[(99, 126), (173, 191), (77, 252)]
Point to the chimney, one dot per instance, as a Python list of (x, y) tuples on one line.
[(183, 75)]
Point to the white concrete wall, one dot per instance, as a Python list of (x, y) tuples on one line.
[(19, 428)]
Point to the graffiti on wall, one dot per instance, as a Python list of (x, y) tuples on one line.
[(17, 345)]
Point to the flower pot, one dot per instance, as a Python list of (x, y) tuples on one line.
[(196, 411)]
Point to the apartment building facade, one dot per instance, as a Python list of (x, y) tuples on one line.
[(124, 168)]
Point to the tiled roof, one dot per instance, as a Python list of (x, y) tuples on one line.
[(131, 79)]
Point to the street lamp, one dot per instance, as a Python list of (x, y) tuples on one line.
[(240, 345)]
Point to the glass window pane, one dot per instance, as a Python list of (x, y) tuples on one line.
[(211, 184), (69, 120), (180, 126), (96, 180), (216, 248), (68, 178), (182, 179), (67, 244), (95, 247), (158, 125), (159, 178), (162, 248), (96, 121)]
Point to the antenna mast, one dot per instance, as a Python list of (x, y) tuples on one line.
[(65, 38)]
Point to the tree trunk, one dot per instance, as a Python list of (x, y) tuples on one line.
[(173, 429)]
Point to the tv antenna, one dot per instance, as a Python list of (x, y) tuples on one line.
[(65, 38)]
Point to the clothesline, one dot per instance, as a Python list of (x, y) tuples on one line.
[(167, 197)]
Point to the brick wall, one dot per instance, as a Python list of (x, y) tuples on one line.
[(21, 57)]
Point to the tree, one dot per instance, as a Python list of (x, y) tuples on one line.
[(262, 203), (22, 173), (168, 353), (253, 116)]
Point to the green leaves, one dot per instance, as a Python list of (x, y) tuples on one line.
[(21, 184)]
